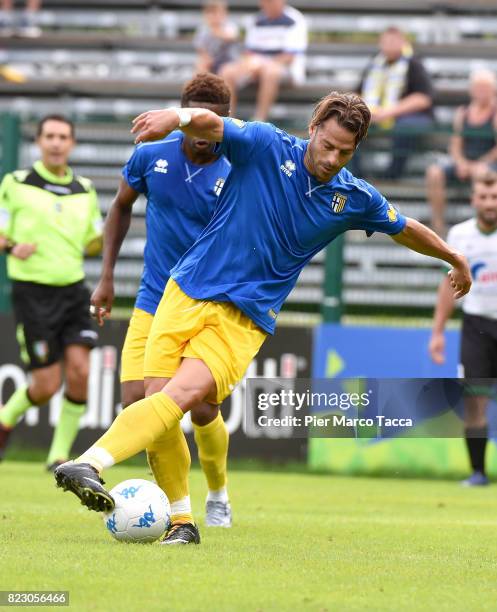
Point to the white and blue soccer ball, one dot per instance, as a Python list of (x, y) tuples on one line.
[(141, 514)]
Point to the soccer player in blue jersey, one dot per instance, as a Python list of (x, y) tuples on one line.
[(181, 177), (284, 200)]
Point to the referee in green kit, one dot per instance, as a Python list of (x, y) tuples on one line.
[(49, 219)]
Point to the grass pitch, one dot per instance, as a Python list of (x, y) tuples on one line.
[(299, 542)]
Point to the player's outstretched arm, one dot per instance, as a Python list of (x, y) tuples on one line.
[(418, 237), (115, 229), (198, 122)]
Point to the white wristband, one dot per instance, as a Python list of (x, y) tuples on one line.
[(184, 116)]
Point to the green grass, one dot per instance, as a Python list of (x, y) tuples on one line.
[(299, 542)]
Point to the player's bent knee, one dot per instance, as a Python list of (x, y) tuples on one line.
[(77, 364), (132, 391), (154, 385), (204, 413), (185, 397), (41, 391), (77, 373)]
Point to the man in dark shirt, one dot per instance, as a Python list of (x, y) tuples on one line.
[(398, 91)]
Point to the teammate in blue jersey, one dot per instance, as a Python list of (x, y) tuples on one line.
[(284, 200), (181, 177)]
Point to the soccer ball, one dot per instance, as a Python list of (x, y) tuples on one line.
[(141, 514)]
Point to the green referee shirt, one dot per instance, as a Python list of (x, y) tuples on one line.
[(58, 214)]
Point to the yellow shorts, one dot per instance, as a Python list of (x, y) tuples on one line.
[(133, 353), (218, 333)]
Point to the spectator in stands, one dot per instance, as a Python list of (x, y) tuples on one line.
[(398, 90), (276, 40), (27, 24), (473, 146), (216, 40)]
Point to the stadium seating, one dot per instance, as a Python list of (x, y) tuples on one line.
[(428, 19)]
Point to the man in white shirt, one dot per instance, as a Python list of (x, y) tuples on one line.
[(477, 240), (275, 45)]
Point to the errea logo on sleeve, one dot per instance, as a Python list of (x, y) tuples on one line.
[(288, 167), (161, 166)]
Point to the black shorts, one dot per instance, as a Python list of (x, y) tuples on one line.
[(479, 353), (50, 318)]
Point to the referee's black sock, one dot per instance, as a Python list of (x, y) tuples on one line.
[(476, 441)]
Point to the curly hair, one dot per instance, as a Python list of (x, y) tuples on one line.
[(348, 109), (206, 87)]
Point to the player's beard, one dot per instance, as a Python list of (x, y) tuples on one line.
[(488, 219), (322, 174), (310, 161)]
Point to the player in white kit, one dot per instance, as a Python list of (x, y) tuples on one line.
[(477, 240)]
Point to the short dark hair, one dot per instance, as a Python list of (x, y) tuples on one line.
[(206, 87), (61, 118), (348, 109), (488, 178)]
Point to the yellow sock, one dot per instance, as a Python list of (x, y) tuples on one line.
[(212, 441), (134, 430), (169, 459)]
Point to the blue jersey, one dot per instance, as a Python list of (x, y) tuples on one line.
[(181, 198), (273, 216)]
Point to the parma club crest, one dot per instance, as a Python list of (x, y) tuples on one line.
[(218, 186), (338, 202)]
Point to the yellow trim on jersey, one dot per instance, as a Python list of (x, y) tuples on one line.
[(133, 352), (218, 333)]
